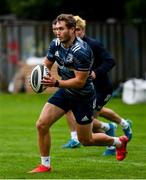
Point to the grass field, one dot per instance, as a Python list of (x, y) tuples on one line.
[(19, 151)]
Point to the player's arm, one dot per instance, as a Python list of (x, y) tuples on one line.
[(77, 82), (108, 62), (46, 62), (49, 60)]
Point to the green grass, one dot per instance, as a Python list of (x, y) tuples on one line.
[(19, 151)]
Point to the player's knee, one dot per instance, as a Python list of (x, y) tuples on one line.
[(41, 127)]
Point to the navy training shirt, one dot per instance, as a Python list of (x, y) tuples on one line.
[(103, 63), (78, 57)]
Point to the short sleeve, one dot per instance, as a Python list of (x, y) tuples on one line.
[(52, 49), (83, 59)]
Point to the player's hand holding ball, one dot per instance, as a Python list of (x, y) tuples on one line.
[(48, 81), (36, 77)]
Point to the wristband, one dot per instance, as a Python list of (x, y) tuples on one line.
[(56, 83)]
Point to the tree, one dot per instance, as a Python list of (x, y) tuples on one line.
[(135, 9), (90, 10), (4, 7), (49, 9), (34, 9)]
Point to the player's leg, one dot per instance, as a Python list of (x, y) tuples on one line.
[(113, 116), (100, 126), (110, 115), (73, 142), (51, 112), (87, 138), (101, 99), (109, 129), (48, 116), (83, 112)]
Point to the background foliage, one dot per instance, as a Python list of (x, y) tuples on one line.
[(49, 9)]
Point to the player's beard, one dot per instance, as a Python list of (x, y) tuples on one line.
[(65, 40)]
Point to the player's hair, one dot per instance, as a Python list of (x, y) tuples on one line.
[(80, 22), (68, 18)]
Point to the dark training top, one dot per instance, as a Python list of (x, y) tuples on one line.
[(78, 57), (103, 63)]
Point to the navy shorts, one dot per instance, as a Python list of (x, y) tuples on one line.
[(102, 98), (82, 108)]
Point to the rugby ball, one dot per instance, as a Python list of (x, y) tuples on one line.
[(36, 77)]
